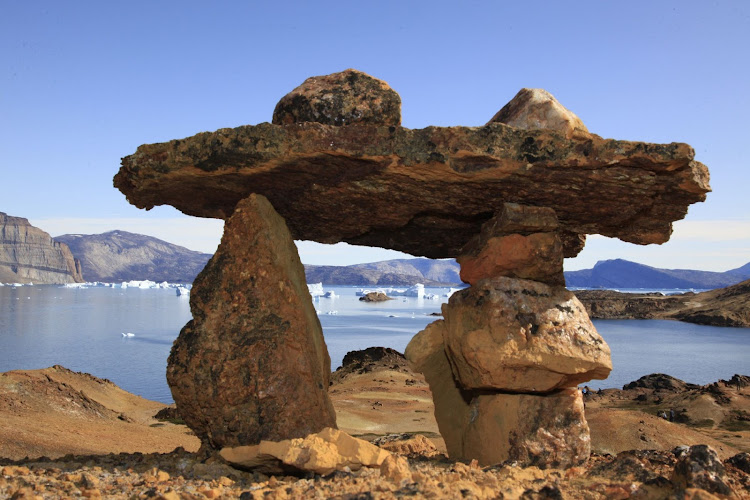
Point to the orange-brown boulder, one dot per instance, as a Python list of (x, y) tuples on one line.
[(322, 453), (537, 257), (519, 242), (252, 364), (521, 336)]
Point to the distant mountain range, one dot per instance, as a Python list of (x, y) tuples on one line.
[(398, 272), (620, 273), (122, 256)]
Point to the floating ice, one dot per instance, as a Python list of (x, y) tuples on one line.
[(128, 334), (182, 291), (315, 289)]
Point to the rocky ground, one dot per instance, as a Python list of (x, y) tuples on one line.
[(104, 442), (721, 307)]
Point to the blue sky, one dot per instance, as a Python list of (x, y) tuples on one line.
[(83, 84)]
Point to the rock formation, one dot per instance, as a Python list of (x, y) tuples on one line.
[(122, 256), (252, 364), (375, 297), (728, 306), (29, 255), (508, 200)]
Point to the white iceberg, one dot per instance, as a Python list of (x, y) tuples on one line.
[(128, 334), (182, 291), (330, 294), (315, 289)]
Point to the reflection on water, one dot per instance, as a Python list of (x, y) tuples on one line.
[(81, 329)]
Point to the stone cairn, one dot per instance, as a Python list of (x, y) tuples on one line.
[(509, 200)]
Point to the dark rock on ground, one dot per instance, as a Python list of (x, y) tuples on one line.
[(370, 359), (700, 467), (741, 461), (660, 381)]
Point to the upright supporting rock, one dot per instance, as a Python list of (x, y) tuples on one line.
[(502, 368), (252, 364)]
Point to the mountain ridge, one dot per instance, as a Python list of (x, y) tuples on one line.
[(122, 256), (398, 272), (621, 273)]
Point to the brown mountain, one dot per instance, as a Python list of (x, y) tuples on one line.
[(29, 255), (122, 256)]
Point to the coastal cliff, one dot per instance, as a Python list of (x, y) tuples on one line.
[(722, 307), (29, 255)]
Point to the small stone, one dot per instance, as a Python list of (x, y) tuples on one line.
[(170, 495), (340, 99), (396, 469), (91, 493), (538, 109), (20, 470), (225, 481), (741, 461), (416, 445), (89, 480), (211, 493)]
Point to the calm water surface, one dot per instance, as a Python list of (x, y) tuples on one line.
[(81, 329)]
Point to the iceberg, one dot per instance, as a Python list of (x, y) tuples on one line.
[(182, 291), (315, 289), (330, 294)]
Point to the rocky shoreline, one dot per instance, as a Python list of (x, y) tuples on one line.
[(721, 307)]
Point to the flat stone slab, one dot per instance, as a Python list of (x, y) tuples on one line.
[(426, 191)]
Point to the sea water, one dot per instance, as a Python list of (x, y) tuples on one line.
[(81, 329)]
